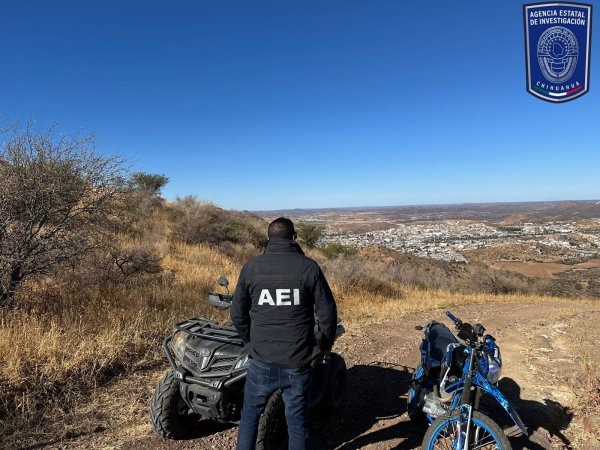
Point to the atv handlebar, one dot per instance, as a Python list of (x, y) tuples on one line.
[(220, 301)]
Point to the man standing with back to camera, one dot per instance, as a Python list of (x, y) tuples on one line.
[(273, 310)]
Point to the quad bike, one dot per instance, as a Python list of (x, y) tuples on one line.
[(453, 373), (208, 370)]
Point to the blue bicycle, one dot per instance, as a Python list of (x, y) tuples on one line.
[(453, 373)]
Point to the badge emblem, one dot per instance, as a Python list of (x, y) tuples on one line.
[(557, 50)]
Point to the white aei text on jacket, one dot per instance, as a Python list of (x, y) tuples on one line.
[(283, 297)]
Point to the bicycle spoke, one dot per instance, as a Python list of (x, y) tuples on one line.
[(446, 438), (486, 441)]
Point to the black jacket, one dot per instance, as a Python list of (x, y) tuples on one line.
[(274, 304)]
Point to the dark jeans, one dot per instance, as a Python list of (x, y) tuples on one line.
[(261, 382)]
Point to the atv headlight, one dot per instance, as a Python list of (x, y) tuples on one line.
[(241, 363), (178, 344)]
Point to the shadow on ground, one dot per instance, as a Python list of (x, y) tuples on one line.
[(545, 422), (377, 391), (374, 392)]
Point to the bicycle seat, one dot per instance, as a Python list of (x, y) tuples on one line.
[(439, 337)]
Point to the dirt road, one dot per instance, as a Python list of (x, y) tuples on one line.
[(540, 375)]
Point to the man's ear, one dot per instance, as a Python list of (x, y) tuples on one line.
[(294, 237)]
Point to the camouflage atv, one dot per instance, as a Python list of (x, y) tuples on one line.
[(206, 380)]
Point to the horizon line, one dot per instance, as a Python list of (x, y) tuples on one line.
[(412, 205)]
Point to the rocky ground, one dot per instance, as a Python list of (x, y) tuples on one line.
[(541, 349)]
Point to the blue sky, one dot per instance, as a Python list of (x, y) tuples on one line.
[(267, 105)]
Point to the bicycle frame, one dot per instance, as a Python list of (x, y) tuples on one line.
[(466, 402), (481, 360)]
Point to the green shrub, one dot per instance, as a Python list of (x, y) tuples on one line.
[(336, 249), (309, 233), (149, 183)]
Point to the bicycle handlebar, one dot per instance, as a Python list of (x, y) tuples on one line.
[(454, 319), (466, 331)]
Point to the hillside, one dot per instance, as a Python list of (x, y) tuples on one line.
[(547, 365), (82, 345)]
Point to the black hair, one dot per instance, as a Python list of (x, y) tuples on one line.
[(281, 227)]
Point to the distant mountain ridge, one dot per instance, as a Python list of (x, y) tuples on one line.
[(526, 211)]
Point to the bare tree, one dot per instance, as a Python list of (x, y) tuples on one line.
[(58, 198)]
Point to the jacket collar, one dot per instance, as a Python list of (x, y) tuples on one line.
[(279, 245)]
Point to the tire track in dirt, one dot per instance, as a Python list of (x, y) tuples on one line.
[(537, 375)]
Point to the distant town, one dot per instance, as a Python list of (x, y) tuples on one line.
[(567, 231), (448, 240)]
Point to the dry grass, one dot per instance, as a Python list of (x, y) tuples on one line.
[(362, 306), (62, 342), (585, 337)]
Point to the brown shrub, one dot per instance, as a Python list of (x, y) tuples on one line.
[(240, 253), (354, 274), (136, 261), (423, 273), (196, 222)]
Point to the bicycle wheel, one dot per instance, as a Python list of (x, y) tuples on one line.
[(485, 434)]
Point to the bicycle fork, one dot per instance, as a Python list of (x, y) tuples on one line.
[(466, 409)]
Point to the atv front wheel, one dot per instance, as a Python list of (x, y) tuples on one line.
[(272, 426), (170, 415), (333, 398)]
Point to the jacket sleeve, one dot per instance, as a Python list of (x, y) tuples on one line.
[(240, 308), (326, 310)]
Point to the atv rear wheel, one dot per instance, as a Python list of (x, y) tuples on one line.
[(170, 415), (333, 398), (272, 426)]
